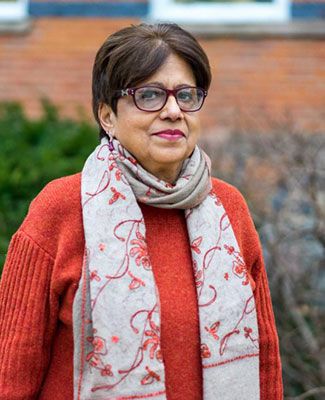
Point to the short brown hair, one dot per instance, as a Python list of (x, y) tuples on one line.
[(131, 55)]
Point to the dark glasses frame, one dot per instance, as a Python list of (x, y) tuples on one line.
[(169, 92)]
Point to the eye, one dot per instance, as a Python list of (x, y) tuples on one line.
[(149, 93), (186, 95)]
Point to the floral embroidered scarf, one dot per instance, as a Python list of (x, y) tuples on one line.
[(116, 311)]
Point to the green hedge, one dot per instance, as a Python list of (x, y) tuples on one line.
[(32, 153)]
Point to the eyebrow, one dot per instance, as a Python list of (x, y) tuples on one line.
[(160, 84)]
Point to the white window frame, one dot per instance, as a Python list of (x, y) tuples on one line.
[(13, 10), (221, 13)]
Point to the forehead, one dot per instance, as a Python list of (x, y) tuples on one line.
[(172, 73)]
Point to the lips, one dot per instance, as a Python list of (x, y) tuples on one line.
[(170, 134)]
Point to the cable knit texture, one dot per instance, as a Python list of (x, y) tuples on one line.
[(40, 279)]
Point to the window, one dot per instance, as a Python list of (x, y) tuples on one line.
[(13, 10), (220, 11)]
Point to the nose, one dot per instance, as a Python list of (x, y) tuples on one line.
[(171, 110)]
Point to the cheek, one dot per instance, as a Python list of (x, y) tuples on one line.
[(131, 123), (195, 128), (132, 132), (123, 128), (123, 119)]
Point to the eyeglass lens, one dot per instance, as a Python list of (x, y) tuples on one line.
[(154, 98)]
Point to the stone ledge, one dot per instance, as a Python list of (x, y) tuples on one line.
[(294, 30), (15, 27)]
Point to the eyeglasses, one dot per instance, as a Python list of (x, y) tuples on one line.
[(153, 98)]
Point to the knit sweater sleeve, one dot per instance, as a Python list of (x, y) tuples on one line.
[(40, 276), (26, 318), (270, 364)]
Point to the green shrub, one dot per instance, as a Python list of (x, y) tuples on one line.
[(32, 153)]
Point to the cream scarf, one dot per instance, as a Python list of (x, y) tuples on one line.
[(116, 314)]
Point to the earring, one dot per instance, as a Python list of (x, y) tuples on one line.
[(110, 141)]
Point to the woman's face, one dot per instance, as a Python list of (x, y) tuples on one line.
[(137, 130)]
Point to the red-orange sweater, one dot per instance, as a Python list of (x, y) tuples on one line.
[(41, 276)]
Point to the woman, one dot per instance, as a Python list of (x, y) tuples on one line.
[(141, 277)]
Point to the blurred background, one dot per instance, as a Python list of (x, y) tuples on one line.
[(264, 129)]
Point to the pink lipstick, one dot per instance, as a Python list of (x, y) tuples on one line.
[(170, 134)]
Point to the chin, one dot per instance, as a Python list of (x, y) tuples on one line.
[(172, 161), (173, 155)]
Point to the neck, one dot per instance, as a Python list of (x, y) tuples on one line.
[(169, 175)]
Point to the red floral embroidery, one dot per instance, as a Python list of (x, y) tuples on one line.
[(118, 172), (113, 163), (150, 192), (224, 222), (239, 267), (159, 356), (195, 245), (101, 246), (226, 276), (224, 340), (153, 341), (140, 251), (94, 357), (205, 351), (115, 339), (98, 344), (118, 175), (150, 377), (212, 330), (107, 370), (132, 160), (248, 331), (217, 201), (94, 275), (230, 249), (116, 195), (136, 282), (197, 275), (248, 335)]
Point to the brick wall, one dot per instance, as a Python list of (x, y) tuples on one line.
[(256, 82), (261, 83)]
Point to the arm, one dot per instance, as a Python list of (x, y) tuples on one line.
[(40, 277), (26, 319), (270, 363)]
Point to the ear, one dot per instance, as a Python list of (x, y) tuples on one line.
[(107, 118)]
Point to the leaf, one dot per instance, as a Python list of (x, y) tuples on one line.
[(32, 153)]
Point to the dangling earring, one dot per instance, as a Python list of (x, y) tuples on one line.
[(110, 141)]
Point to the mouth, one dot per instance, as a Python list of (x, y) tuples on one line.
[(170, 134)]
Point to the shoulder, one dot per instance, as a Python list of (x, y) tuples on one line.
[(241, 220), (55, 212), (58, 199), (229, 195)]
